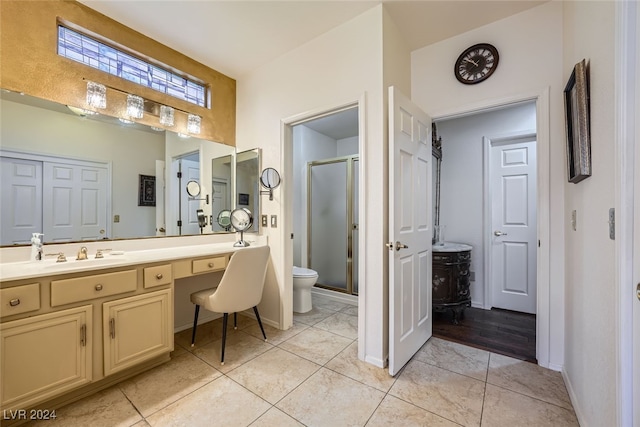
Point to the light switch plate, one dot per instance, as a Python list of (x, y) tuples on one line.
[(263, 218), (274, 220)]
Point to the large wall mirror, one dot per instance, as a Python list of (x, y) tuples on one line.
[(76, 177), (247, 184)]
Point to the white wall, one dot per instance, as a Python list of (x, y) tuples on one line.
[(347, 146), (462, 178), (590, 355), (530, 63), (131, 153), (339, 67)]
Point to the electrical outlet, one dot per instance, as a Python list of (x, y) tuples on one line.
[(274, 221), (574, 220), (264, 220), (116, 218)]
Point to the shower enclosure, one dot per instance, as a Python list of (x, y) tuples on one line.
[(332, 221)]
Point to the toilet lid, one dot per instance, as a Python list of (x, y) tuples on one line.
[(304, 272)]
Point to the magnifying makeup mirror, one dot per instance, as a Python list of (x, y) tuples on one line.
[(269, 179)]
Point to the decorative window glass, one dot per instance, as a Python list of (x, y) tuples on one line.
[(80, 48)]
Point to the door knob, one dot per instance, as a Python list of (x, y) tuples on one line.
[(638, 291), (499, 233), (400, 246)]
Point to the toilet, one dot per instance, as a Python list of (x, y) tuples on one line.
[(303, 281)]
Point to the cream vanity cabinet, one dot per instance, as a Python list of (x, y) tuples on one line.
[(71, 332)]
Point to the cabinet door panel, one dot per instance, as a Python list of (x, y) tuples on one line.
[(136, 329), (44, 356)]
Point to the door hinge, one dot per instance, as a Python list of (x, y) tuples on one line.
[(179, 223), (179, 174)]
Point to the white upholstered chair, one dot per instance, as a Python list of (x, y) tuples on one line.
[(239, 289)]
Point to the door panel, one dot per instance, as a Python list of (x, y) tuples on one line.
[(410, 210), (21, 214), (514, 225)]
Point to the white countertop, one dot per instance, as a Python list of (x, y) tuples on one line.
[(451, 247), (49, 266)]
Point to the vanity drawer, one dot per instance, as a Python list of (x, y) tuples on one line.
[(209, 264), (158, 276), (19, 299), (90, 287)]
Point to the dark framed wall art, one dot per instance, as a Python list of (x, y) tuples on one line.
[(147, 190), (577, 121)]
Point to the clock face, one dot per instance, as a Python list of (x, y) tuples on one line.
[(476, 63), (241, 219)]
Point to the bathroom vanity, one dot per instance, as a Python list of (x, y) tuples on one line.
[(73, 328), (451, 262)]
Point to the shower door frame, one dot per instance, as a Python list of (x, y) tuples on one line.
[(349, 160)]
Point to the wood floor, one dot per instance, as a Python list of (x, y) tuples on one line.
[(501, 331)]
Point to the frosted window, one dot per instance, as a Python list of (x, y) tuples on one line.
[(80, 48)]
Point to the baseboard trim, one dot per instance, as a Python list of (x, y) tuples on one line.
[(335, 296), (574, 400)]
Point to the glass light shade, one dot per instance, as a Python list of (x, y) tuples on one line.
[(135, 106), (96, 95), (193, 124), (166, 115)]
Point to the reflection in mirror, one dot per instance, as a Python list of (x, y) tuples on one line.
[(65, 155), (247, 191), (193, 188), (436, 152), (222, 191)]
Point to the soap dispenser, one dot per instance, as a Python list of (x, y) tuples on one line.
[(36, 246)]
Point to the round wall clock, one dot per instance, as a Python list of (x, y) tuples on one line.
[(476, 63)]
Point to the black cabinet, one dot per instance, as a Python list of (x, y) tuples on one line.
[(451, 282)]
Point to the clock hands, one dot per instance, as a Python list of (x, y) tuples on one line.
[(469, 60)]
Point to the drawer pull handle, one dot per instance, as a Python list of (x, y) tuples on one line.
[(14, 302), (159, 276), (112, 328), (83, 335), (98, 287), (210, 265)]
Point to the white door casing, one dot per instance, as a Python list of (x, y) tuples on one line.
[(189, 205), (513, 232), (161, 222), (410, 320), (21, 212)]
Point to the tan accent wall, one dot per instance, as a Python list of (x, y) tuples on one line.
[(29, 63)]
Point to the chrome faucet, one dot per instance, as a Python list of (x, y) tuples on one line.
[(82, 254)]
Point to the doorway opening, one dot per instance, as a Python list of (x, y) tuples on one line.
[(488, 200)]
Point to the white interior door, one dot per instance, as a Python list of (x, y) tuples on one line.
[(21, 210), (161, 222), (189, 206), (513, 225), (409, 229), (636, 251), (77, 197)]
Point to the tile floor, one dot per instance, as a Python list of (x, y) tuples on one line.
[(310, 375)]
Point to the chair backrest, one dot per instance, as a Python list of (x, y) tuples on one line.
[(242, 282)]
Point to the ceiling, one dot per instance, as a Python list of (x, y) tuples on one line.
[(235, 37)]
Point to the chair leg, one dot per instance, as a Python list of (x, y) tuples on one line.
[(235, 320), (255, 310), (225, 318), (195, 324)]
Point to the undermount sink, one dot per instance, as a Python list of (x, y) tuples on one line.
[(450, 247)]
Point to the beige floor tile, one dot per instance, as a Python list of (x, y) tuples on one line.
[(350, 309), (107, 408), (315, 315), (529, 379), (221, 402), (274, 417), (453, 396), (455, 357), (177, 350), (211, 331), (169, 382), (275, 336), (240, 348), (504, 408), (393, 411), (142, 423), (273, 374), (340, 324), (316, 345), (327, 303), (347, 363), (331, 399)]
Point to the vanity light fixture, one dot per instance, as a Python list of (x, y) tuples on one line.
[(166, 115), (193, 124), (183, 135), (135, 106), (96, 95)]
